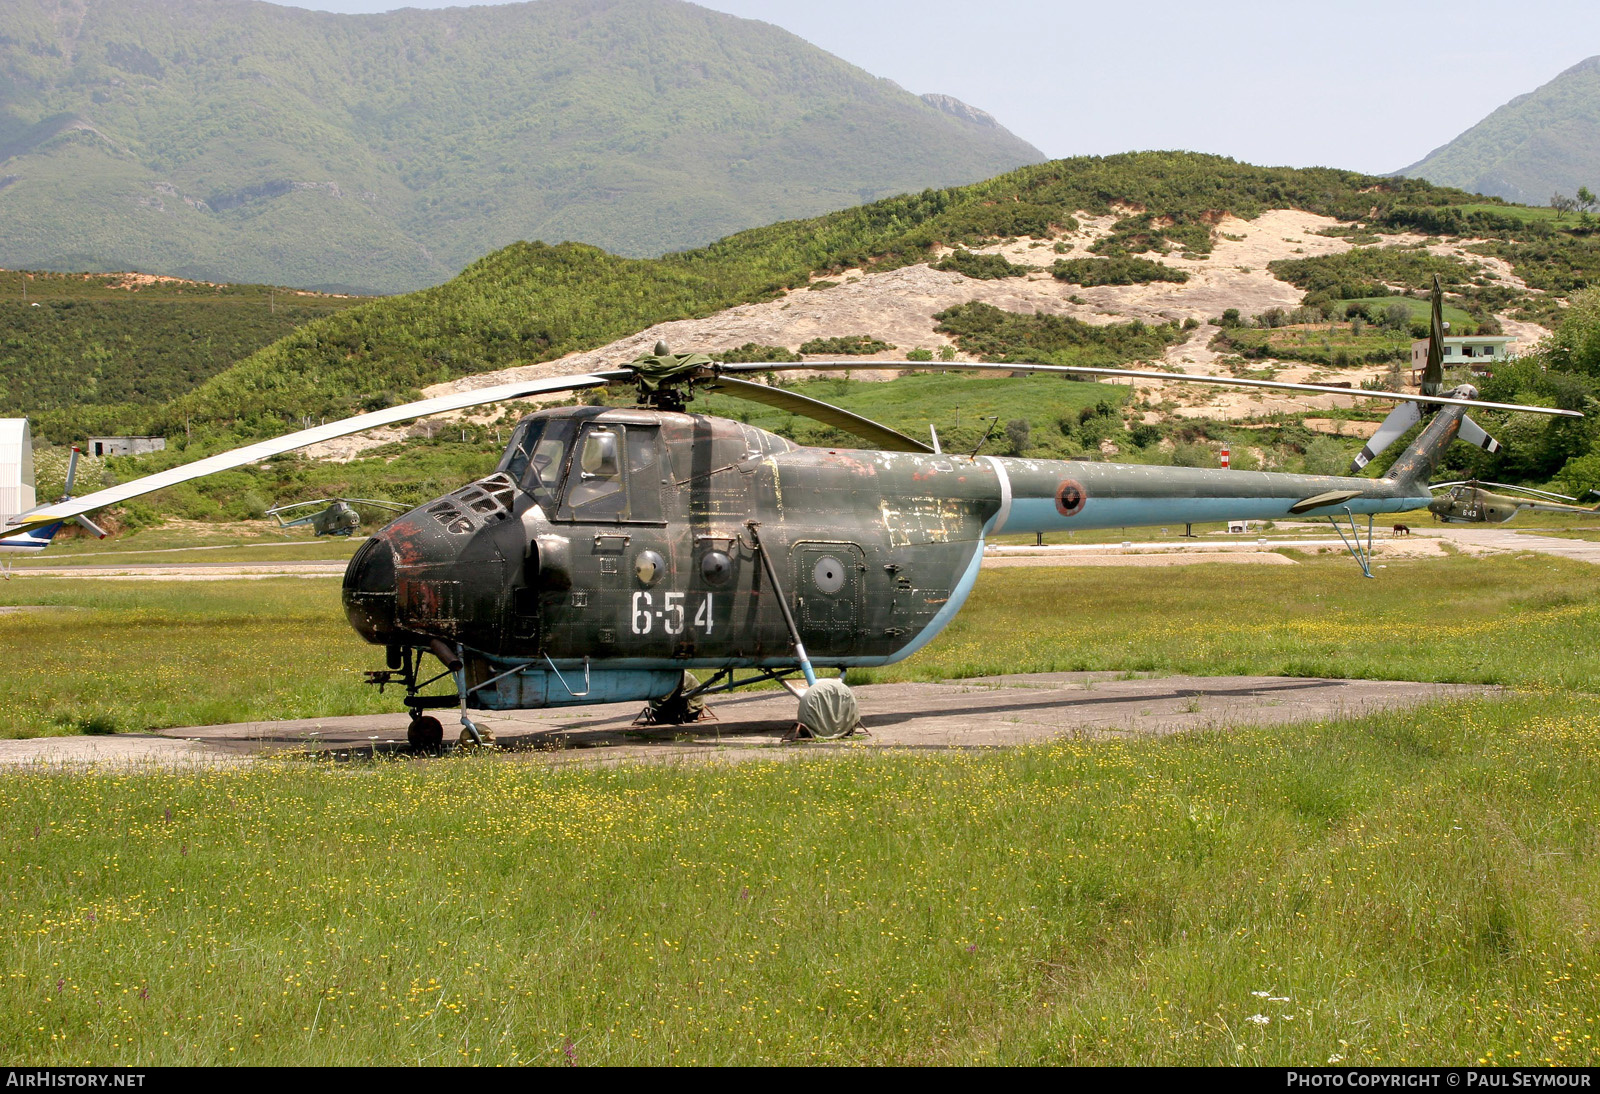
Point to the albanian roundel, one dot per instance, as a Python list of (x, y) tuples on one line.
[(1070, 497)]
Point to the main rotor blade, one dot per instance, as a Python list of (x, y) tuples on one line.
[(1503, 486), (254, 453), (1132, 374), (296, 505), (885, 438)]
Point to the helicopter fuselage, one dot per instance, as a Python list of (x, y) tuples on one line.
[(614, 549)]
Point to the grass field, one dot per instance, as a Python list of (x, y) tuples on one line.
[(1412, 887), (1416, 887)]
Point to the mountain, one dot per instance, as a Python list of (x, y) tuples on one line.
[(229, 140), (1538, 144)]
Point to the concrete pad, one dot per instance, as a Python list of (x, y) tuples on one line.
[(987, 712), (117, 752)]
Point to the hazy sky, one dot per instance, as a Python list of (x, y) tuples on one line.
[(1372, 86)]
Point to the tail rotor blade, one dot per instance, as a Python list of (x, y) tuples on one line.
[(1473, 433), (72, 474), (1400, 419)]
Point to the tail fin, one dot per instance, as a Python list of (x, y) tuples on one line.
[(18, 495), (16, 468)]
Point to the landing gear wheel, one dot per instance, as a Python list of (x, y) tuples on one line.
[(474, 736), (425, 734), (828, 710)]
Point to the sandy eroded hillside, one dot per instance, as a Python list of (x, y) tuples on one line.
[(899, 306)]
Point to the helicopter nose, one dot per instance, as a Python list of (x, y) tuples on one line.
[(369, 591)]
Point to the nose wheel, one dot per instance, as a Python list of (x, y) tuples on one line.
[(425, 733)]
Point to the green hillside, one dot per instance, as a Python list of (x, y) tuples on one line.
[(1541, 143), (532, 302), (230, 140), (70, 341)]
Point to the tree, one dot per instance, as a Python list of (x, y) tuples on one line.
[(1586, 199), (1575, 345), (1017, 432), (1396, 317), (1562, 204)]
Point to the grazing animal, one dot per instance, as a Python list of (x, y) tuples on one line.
[(1402, 529)]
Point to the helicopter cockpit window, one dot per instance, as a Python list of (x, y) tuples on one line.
[(595, 489), (535, 456), (644, 474), (616, 475)]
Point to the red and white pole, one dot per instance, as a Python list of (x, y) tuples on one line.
[(1225, 463)]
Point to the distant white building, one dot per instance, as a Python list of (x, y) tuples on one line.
[(1478, 353), (124, 446)]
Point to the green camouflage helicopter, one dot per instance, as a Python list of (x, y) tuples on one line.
[(1467, 502), (613, 552), (340, 518)]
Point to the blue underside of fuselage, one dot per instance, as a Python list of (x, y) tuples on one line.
[(1041, 514)]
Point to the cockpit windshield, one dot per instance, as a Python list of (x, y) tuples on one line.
[(535, 457)]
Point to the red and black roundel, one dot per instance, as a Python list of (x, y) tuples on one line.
[(1070, 497)]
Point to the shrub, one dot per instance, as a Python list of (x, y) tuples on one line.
[(1017, 432), (983, 267), (995, 334), (920, 354), (1145, 434), (862, 344), (1326, 456), (1114, 271), (751, 352)]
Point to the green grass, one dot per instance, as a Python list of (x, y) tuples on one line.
[(139, 655), (1519, 621), (1527, 214), (1420, 309), (1414, 887)]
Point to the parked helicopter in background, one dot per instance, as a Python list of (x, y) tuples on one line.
[(615, 551), (1467, 502), (338, 519)]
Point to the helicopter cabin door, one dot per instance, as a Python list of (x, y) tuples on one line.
[(623, 570), (827, 581)]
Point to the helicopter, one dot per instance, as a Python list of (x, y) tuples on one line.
[(1467, 502), (614, 552), (338, 519)]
